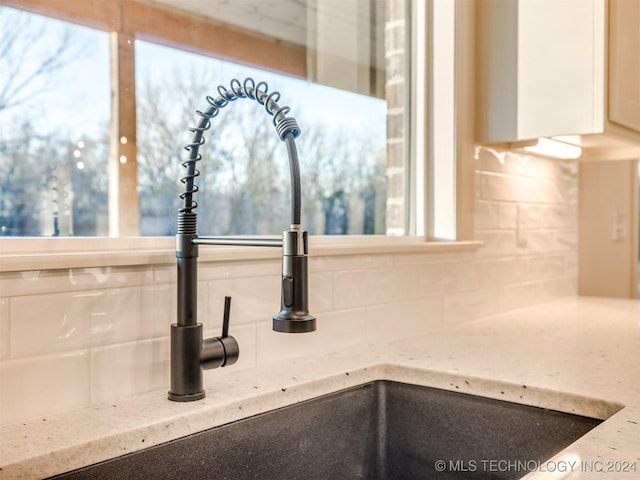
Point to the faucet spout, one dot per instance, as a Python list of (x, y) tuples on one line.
[(190, 353)]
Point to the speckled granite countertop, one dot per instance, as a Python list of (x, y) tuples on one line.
[(579, 355)]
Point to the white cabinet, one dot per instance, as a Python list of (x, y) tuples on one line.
[(624, 63), (561, 68)]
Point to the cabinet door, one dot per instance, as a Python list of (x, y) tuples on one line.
[(624, 63)]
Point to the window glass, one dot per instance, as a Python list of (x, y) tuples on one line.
[(54, 119), (244, 181), (349, 92)]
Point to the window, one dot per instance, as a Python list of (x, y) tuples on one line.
[(54, 115), (340, 64), (99, 153)]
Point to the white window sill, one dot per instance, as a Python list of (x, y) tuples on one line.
[(25, 254)]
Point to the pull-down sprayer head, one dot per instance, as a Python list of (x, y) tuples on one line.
[(294, 314)]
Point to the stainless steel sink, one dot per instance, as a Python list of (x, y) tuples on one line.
[(379, 430)]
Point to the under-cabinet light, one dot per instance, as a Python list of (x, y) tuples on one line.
[(551, 148)]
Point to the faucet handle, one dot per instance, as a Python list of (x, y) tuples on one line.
[(223, 350), (225, 317)]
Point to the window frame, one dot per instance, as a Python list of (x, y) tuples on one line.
[(128, 20)]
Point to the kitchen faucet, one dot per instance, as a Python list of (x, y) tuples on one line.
[(190, 353)]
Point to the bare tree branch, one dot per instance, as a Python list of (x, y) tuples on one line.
[(28, 60)]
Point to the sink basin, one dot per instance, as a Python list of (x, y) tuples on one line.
[(379, 430)]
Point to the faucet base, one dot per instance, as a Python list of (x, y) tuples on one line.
[(190, 397), (304, 324), (186, 371)]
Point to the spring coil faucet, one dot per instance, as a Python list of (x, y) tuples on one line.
[(190, 353)]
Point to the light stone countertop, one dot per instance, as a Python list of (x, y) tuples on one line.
[(579, 355)]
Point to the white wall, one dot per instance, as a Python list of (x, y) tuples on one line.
[(608, 249), (73, 338)]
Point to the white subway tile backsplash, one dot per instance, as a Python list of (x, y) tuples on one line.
[(356, 288), (42, 324), (334, 330), (110, 277), (113, 315), (518, 296), (551, 216), (158, 307), (320, 292), (35, 282), (49, 323), (495, 215), (39, 386), (548, 266), (572, 263), (498, 187), (520, 165), (540, 242), (444, 278), (272, 267), (165, 274), (158, 317), (566, 240), (562, 287), (393, 321), (477, 185), (129, 368), (440, 257), (31, 282), (502, 271), (351, 262), (497, 244), (221, 270), (253, 299), (467, 306)]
